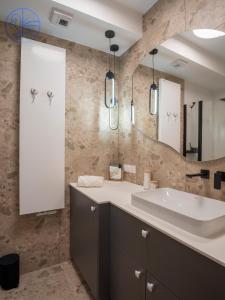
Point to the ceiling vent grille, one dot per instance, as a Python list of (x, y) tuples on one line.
[(61, 18), (179, 63)]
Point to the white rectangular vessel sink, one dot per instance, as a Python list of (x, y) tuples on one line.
[(199, 215)]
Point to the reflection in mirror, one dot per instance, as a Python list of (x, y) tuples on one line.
[(132, 109), (114, 116), (153, 93), (190, 75)]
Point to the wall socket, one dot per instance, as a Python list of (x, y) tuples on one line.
[(129, 169)]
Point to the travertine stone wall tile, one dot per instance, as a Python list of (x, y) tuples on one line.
[(205, 14), (90, 147)]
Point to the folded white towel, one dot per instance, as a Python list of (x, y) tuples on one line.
[(90, 181)]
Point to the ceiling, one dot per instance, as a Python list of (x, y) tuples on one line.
[(200, 61), (141, 6), (214, 46), (91, 18)]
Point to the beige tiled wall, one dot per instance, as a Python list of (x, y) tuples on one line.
[(90, 146)]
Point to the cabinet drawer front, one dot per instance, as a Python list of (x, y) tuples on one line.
[(185, 272), (127, 279), (127, 257), (156, 291), (84, 238), (126, 235)]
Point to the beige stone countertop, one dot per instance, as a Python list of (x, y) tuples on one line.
[(119, 194)]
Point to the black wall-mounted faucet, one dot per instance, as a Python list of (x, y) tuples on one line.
[(219, 176), (203, 174)]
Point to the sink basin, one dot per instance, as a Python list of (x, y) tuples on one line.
[(199, 215)]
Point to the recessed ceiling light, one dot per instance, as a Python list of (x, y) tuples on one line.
[(208, 33)]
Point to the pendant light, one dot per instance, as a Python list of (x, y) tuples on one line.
[(132, 112), (114, 105), (110, 77), (153, 92), (114, 116)]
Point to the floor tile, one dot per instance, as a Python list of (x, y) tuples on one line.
[(58, 282)]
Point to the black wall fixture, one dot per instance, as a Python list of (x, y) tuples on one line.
[(200, 115), (185, 131), (110, 77)]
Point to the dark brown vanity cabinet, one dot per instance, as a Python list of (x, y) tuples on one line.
[(89, 245), (168, 270), (129, 276), (157, 291), (127, 257), (184, 271), (122, 258)]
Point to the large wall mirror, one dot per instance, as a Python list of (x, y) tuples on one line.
[(179, 94)]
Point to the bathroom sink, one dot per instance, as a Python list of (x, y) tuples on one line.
[(199, 215)]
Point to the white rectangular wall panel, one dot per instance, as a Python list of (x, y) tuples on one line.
[(42, 127), (169, 113)]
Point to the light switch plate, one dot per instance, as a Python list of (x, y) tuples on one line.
[(129, 168)]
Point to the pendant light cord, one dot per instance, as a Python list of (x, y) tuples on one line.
[(132, 90), (109, 57), (153, 64), (114, 57)]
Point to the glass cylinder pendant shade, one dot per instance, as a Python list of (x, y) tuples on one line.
[(110, 100), (114, 116), (132, 112), (153, 99)]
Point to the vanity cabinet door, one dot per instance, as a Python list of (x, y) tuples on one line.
[(127, 256), (157, 291), (188, 274), (85, 237)]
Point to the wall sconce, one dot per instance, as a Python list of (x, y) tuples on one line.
[(110, 99), (132, 111), (153, 92)]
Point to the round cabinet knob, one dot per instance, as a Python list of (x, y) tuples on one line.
[(138, 274), (150, 286), (93, 208), (144, 234)]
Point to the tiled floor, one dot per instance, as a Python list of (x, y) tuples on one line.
[(59, 282)]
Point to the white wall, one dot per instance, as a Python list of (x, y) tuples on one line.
[(109, 12), (219, 124), (194, 93), (213, 135)]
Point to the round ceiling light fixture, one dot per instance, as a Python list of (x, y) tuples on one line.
[(208, 33)]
